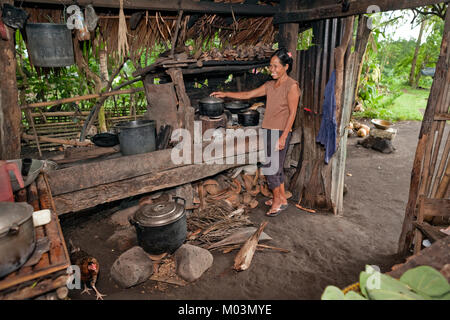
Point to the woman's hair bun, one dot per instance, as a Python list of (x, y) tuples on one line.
[(285, 57)]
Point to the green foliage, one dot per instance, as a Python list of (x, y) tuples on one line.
[(305, 39), (426, 281), (38, 85), (383, 87), (420, 283)]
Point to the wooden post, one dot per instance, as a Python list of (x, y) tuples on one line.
[(437, 102), (10, 114), (288, 36)]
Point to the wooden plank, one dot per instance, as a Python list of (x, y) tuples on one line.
[(442, 117), (108, 171), (436, 207), (40, 288), (223, 69), (430, 232), (88, 198), (438, 90), (132, 184), (356, 7), (56, 250), (175, 5), (435, 256)]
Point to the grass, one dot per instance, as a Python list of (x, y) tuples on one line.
[(403, 105)]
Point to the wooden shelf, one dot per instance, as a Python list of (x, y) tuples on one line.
[(49, 273)]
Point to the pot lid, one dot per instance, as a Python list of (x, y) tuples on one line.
[(236, 105), (158, 214), (13, 213), (211, 100)]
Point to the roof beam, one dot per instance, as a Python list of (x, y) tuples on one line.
[(174, 5), (356, 7)]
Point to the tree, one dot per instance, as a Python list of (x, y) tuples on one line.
[(416, 53)]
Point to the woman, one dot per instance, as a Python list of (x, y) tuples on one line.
[(283, 94)]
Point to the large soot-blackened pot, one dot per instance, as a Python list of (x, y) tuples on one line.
[(211, 107), (160, 227)]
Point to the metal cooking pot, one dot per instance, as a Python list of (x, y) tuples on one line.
[(236, 106), (17, 237), (160, 227), (249, 118), (211, 107)]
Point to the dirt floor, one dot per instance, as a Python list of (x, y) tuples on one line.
[(325, 249)]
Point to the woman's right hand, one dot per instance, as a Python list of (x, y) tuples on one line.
[(218, 94)]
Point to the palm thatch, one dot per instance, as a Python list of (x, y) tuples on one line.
[(157, 29)]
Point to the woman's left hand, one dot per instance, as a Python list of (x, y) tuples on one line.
[(281, 143)]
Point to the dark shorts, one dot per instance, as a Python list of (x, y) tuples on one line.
[(275, 160)]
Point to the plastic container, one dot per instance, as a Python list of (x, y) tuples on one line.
[(49, 44), (41, 217), (137, 136)]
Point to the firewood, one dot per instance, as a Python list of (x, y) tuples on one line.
[(244, 257)]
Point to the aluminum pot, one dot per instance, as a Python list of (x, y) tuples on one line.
[(160, 227), (249, 118), (211, 107), (17, 237)]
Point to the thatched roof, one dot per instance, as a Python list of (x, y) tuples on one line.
[(157, 28)]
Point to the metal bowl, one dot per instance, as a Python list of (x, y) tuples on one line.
[(381, 124)]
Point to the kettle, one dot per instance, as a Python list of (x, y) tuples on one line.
[(6, 193)]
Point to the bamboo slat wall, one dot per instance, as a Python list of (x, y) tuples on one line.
[(65, 129), (430, 176)]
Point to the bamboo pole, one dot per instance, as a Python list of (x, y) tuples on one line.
[(80, 98), (441, 169), (56, 140), (30, 118)]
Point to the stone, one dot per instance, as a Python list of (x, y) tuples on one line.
[(388, 134), (192, 262), (123, 239), (132, 267), (383, 145), (121, 217)]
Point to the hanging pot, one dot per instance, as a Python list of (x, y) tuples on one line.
[(211, 107), (160, 227), (49, 44), (17, 237), (249, 118)]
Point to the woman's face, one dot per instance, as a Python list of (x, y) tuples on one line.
[(276, 68)]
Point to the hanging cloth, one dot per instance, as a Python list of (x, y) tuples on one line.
[(327, 131)]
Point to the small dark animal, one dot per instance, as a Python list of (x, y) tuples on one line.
[(89, 269)]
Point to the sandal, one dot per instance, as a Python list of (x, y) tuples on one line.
[(276, 212)]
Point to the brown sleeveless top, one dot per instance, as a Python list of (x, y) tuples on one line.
[(277, 107)]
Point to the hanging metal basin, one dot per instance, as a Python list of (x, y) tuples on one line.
[(49, 44)]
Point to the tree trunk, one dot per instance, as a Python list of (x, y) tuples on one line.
[(10, 114), (416, 54)]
